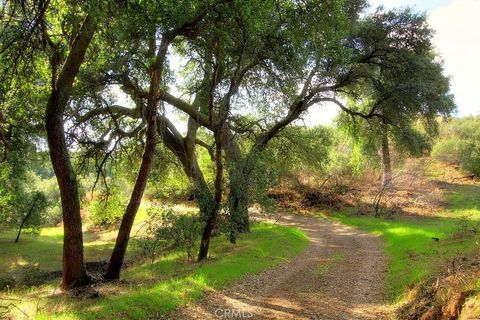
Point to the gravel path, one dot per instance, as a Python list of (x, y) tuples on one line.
[(341, 275)]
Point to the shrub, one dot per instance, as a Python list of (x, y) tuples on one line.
[(448, 150), (459, 143), (470, 160), (168, 180), (49, 186), (107, 209), (166, 230)]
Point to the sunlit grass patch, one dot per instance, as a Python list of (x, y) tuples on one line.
[(419, 246), (150, 290)]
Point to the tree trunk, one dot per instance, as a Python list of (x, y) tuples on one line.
[(238, 203), (385, 157), (184, 150), (123, 237), (212, 216), (242, 168), (203, 195), (238, 200), (219, 134), (74, 273), (207, 234)]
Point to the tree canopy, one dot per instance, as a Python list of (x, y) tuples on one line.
[(97, 83)]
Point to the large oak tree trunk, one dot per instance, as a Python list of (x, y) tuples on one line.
[(238, 203), (385, 157), (243, 167), (74, 273), (238, 200), (207, 234), (213, 213), (123, 237), (203, 196)]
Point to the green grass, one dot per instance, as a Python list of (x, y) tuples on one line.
[(45, 251), (154, 289), (414, 255)]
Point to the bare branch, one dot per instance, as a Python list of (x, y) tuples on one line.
[(116, 110), (371, 114)]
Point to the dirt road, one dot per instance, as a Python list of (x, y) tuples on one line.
[(341, 275)]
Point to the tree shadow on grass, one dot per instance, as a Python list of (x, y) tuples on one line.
[(151, 291), (35, 261)]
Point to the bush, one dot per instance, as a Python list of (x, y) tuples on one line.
[(22, 203), (448, 150), (49, 186), (107, 210), (168, 181), (470, 160), (167, 230), (53, 215), (459, 143)]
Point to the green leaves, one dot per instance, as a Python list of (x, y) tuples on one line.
[(459, 143), (395, 73)]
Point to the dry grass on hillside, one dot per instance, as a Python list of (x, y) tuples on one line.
[(418, 189)]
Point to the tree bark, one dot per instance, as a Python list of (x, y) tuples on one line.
[(219, 135), (385, 157), (243, 167), (123, 237), (238, 186), (238, 203), (202, 193), (185, 150), (74, 273), (212, 215), (207, 234)]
